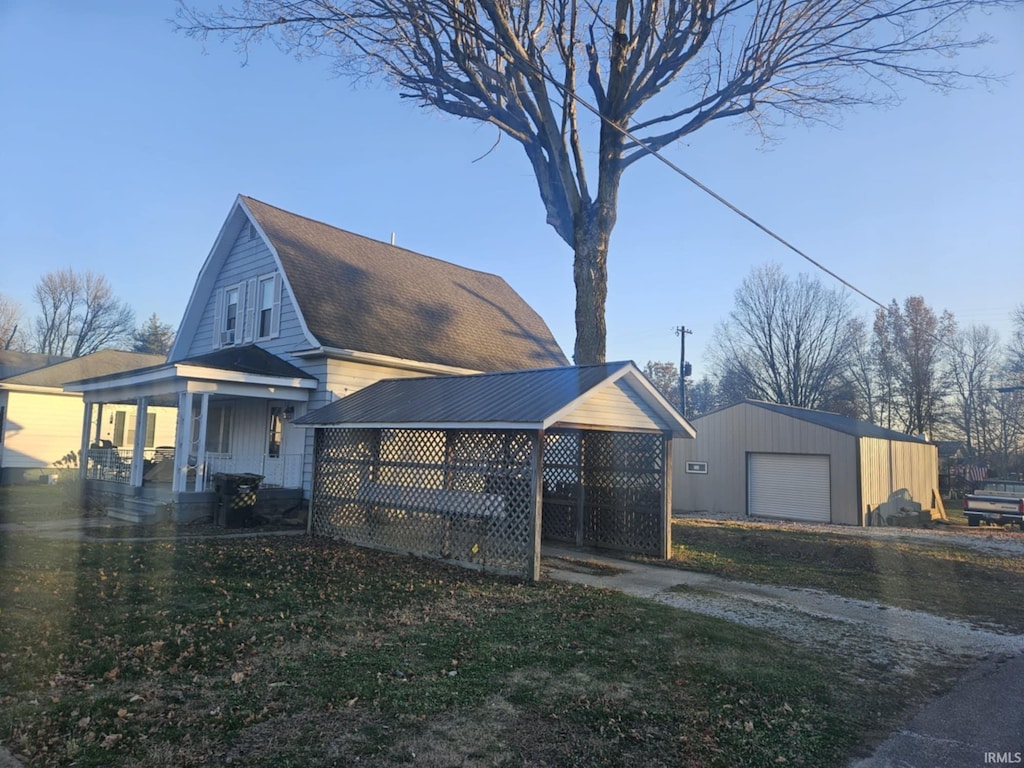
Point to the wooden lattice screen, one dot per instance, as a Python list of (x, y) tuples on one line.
[(605, 489), (460, 495), (467, 495)]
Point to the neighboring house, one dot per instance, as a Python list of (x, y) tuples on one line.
[(289, 314), (41, 423), (760, 459), (12, 362)]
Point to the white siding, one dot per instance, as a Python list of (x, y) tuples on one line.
[(613, 406), (247, 261), (40, 429)]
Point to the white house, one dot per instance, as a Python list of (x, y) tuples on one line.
[(41, 423), (289, 314)]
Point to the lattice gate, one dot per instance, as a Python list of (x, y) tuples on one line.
[(605, 489), (464, 495), (467, 495)]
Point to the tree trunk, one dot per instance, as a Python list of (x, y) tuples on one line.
[(590, 274)]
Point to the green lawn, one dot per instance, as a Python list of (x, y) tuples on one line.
[(303, 652), (23, 503), (908, 572)]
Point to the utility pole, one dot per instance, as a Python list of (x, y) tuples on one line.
[(681, 332)]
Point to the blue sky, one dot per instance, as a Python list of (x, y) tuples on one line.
[(123, 146)]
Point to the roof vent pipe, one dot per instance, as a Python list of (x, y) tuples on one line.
[(392, 238)]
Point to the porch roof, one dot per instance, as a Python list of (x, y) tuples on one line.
[(248, 371), (605, 396)]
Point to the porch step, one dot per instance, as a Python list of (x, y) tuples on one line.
[(133, 510)]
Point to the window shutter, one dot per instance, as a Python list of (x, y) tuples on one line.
[(251, 300), (218, 310), (275, 315)]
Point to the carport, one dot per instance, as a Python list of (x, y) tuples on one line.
[(478, 469)]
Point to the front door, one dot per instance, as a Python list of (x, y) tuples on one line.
[(273, 459)]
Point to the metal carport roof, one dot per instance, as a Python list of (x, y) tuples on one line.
[(607, 395)]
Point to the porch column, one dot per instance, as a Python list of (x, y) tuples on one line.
[(139, 444), (182, 442), (99, 423), (83, 453), (204, 412)]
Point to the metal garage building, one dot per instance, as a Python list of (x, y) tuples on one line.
[(760, 459)]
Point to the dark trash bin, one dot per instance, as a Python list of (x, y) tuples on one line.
[(236, 498)]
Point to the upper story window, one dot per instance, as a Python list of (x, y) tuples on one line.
[(248, 311), (265, 312), (231, 315)]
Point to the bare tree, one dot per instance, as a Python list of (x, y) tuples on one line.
[(154, 337), (10, 319), (665, 377), (654, 71), (1015, 349), (973, 360), (79, 314), (909, 346), (787, 340), (861, 374)]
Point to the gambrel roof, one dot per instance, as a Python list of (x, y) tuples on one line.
[(355, 294), (605, 395)]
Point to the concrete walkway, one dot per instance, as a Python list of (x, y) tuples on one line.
[(980, 722)]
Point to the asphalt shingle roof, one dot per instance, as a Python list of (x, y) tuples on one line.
[(361, 294), (250, 359), (13, 362), (102, 363)]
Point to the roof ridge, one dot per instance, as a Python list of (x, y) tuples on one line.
[(385, 243), (515, 372)]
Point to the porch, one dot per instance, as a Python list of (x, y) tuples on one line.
[(154, 441)]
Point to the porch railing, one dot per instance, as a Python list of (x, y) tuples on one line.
[(113, 464)]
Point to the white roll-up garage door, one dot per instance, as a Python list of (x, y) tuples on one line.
[(791, 487)]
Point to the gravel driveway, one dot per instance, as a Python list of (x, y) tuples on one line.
[(891, 638)]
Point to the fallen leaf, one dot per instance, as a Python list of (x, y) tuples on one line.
[(237, 677)]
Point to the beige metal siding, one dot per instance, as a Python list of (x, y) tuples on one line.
[(888, 465), (726, 437), (614, 406)]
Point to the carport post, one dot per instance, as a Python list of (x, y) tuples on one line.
[(666, 501), (536, 505)]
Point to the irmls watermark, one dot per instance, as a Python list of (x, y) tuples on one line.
[(1004, 758)]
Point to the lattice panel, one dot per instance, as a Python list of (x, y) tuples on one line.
[(561, 486), (624, 483), (615, 480), (461, 495)]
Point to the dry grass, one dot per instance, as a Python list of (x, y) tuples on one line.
[(302, 652)]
